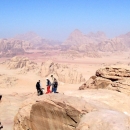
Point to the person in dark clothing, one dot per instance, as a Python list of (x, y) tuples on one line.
[(0, 97), (1, 126), (55, 85), (38, 87), (0, 122)]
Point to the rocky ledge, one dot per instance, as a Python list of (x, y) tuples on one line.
[(117, 79), (65, 112)]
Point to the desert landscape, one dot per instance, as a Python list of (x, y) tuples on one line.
[(90, 69), (64, 65)]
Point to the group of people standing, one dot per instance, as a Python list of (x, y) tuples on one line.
[(51, 86)]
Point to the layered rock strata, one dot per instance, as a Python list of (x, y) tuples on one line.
[(117, 79)]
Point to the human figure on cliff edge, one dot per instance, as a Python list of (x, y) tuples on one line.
[(0, 97), (0, 122), (48, 84), (54, 84), (1, 126), (38, 87)]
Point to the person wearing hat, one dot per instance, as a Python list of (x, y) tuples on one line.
[(48, 84)]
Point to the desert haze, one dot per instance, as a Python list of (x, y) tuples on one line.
[(93, 73)]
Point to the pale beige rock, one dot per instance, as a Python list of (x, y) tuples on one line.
[(93, 44), (104, 120), (101, 97), (11, 47), (64, 73), (9, 105), (112, 45), (57, 111), (51, 112), (23, 63), (117, 79)]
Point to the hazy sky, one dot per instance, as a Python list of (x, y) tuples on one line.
[(56, 19)]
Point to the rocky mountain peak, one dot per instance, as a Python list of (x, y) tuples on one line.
[(76, 33)]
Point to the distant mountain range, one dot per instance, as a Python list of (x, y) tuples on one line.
[(77, 41)]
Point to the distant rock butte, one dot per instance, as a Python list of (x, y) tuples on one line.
[(117, 79), (11, 47), (19, 62), (61, 112), (64, 73)]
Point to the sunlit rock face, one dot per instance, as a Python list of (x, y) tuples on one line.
[(11, 47), (75, 110), (64, 73), (117, 79)]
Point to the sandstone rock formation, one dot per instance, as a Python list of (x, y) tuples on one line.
[(93, 44), (78, 38), (117, 79), (18, 62), (9, 106), (63, 72), (77, 41), (11, 47), (61, 112)]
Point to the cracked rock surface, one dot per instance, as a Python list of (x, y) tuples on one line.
[(68, 112), (117, 79)]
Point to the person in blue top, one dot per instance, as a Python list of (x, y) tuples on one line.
[(54, 84)]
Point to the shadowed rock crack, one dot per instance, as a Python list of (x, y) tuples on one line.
[(71, 118)]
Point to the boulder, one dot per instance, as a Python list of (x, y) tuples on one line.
[(117, 79), (9, 106), (51, 112), (104, 120), (65, 112)]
